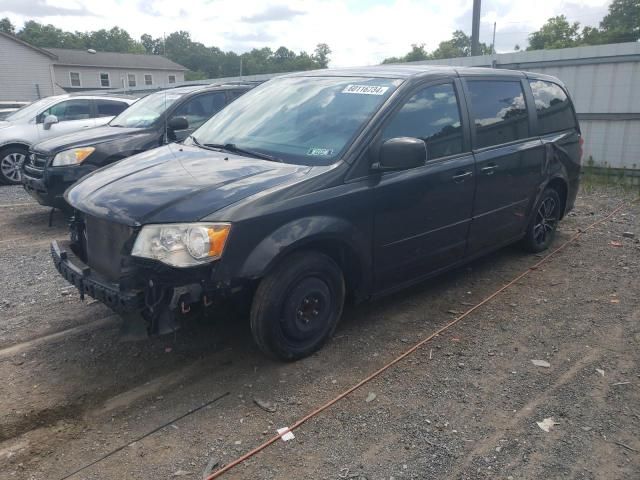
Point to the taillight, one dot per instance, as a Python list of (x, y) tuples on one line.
[(580, 149)]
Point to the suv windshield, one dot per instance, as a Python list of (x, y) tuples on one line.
[(29, 111), (303, 120), (146, 111)]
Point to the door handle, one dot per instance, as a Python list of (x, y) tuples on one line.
[(459, 177), (489, 169)]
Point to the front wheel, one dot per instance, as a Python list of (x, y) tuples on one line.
[(544, 221), (297, 306), (11, 160)]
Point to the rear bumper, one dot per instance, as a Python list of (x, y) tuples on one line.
[(88, 282)]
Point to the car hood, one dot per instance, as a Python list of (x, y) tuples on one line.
[(5, 124), (84, 138), (175, 183)]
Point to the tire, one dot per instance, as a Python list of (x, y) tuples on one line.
[(11, 159), (297, 306), (544, 222)]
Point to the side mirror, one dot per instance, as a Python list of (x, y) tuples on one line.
[(178, 123), (48, 121), (401, 153)]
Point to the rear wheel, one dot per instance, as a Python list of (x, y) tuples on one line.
[(542, 227), (11, 160), (297, 306)]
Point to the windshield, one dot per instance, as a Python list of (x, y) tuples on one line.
[(146, 111), (29, 111), (303, 120)]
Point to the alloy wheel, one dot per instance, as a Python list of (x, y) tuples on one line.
[(10, 166), (546, 221)]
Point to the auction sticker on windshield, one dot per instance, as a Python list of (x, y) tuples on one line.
[(320, 152), (365, 89)]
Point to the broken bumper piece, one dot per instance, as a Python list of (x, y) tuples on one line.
[(88, 282)]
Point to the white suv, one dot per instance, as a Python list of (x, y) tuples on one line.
[(51, 117)]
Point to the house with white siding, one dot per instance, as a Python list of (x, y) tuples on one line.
[(28, 73)]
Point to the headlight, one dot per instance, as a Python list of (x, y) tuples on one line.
[(182, 244), (75, 156)]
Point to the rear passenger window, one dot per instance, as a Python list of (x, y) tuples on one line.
[(432, 115), (553, 107), (499, 112), (109, 108)]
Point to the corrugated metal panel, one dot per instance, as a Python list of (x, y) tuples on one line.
[(612, 143)]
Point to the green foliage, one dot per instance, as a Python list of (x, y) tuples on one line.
[(621, 24), (556, 33), (458, 46), (114, 40), (6, 26), (321, 55), (202, 61)]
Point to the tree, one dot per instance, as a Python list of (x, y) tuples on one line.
[(458, 46), (321, 55), (622, 23), (202, 61), (557, 32), (417, 53), (152, 46), (7, 27)]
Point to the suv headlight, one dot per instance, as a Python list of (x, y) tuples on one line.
[(74, 156), (182, 244)]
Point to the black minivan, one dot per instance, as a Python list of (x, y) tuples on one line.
[(159, 118), (323, 185)]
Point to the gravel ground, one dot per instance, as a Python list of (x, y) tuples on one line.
[(464, 406)]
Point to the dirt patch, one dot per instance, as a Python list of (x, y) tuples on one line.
[(464, 406)]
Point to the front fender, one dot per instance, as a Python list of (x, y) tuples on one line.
[(303, 232)]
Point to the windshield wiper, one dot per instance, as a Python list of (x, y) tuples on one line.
[(233, 148)]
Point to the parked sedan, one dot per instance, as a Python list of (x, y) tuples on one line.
[(160, 118), (49, 118)]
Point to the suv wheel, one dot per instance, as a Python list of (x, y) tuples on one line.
[(297, 306), (542, 227), (11, 160)]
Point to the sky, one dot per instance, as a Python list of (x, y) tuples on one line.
[(359, 32)]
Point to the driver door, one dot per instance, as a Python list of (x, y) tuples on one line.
[(73, 115), (422, 215)]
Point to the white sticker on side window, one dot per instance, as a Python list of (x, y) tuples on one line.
[(365, 89)]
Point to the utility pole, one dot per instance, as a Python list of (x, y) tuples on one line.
[(475, 29), (493, 42), (241, 68)]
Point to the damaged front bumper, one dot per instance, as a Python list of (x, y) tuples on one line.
[(89, 282), (160, 295)]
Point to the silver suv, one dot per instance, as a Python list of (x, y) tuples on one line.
[(48, 118)]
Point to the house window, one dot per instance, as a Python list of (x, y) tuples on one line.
[(105, 81), (172, 79), (75, 79), (148, 79), (131, 78)]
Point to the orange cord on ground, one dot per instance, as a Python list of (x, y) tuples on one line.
[(320, 409)]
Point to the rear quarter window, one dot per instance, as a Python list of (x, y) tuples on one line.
[(553, 107)]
